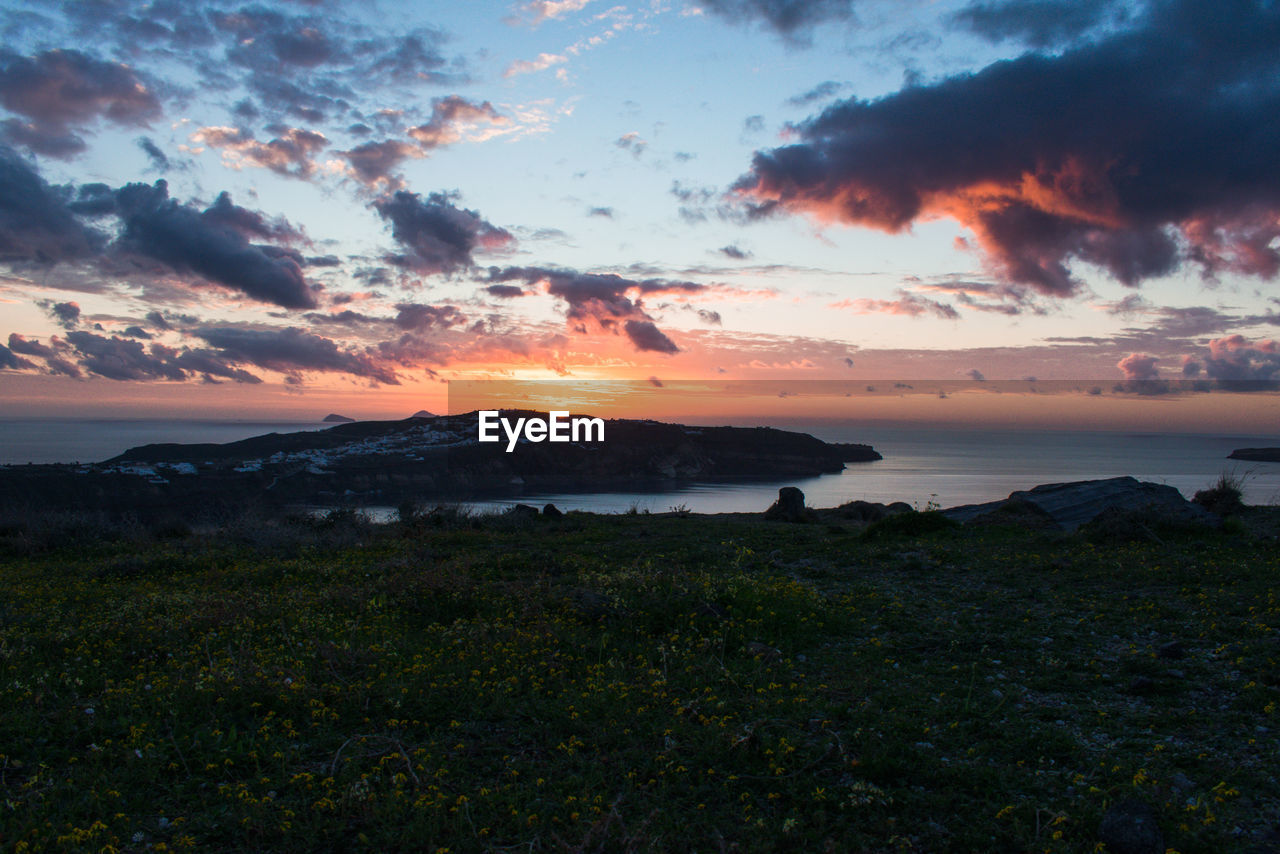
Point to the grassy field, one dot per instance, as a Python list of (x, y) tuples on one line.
[(633, 683)]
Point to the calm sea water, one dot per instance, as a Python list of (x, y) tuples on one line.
[(40, 440), (952, 467), (921, 464)]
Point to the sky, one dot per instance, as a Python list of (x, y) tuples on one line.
[(245, 209)]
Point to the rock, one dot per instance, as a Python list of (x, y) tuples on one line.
[(522, 511), (1141, 685), (1017, 511), (552, 512), (1070, 505), (871, 511), (1173, 650), (1260, 455), (764, 651), (591, 605), (789, 507), (1130, 827)]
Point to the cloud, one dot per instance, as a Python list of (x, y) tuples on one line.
[(38, 140), (537, 11), (417, 316), (505, 291), (732, 251), (790, 18), (1039, 23), (121, 359), (60, 91), (375, 162), (1235, 358), (8, 361), (18, 344), (824, 90), (603, 212), (212, 244), (290, 350), (975, 375), (907, 304), (631, 142), (645, 335), (438, 236), (36, 223), (1137, 153), (67, 314), (529, 66), (609, 301), (159, 160), (1139, 366), (454, 119), (291, 154)]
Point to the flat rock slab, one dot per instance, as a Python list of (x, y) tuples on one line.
[(1070, 505)]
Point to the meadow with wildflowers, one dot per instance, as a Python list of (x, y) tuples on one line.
[(632, 683)]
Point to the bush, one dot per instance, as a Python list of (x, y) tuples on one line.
[(909, 525), (1224, 498)]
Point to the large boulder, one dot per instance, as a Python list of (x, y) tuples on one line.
[(1067, 506), (789, 507)]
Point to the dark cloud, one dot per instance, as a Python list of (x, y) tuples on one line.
[(39, 140), (323, 261), (976, 375), (67, 314), (1137, 153), (438, 236), (603, 299), (1039, 23), (824, 90), (60, 91), (8, 361), (753, 124), (732, 251), (505, 291), (907, 304), (159, 160), (291, 154), (1235, 358), (375, 162), (211, 244), (19, 344), (604, 212), (138, 332), (342, 318), (418, 316), (790, 18), (121, 359), (224, 213), (291, 350), (36, 223), (645, 335)]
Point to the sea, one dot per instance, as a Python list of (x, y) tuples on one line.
[(923, 465)]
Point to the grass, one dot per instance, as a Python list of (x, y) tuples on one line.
[(634, 683)]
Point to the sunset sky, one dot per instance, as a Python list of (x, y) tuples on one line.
[(300, 207)]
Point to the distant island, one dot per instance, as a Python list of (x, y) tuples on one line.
[(335, 418), (434, 458), (1260, 455), (422, 413)]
